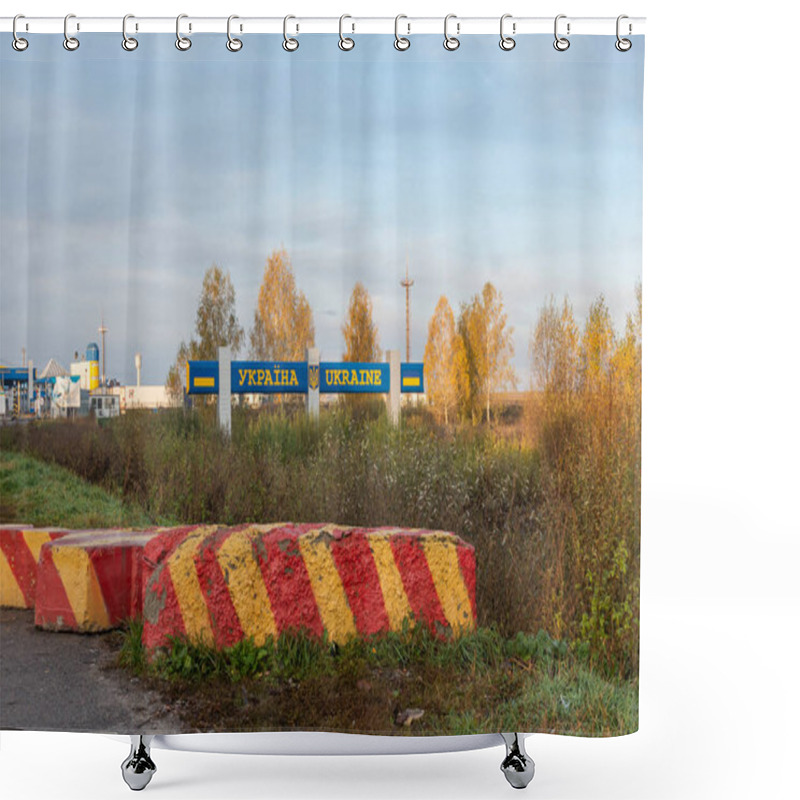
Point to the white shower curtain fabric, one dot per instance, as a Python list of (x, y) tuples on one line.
[(420, 272)]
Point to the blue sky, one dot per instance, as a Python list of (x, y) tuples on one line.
[(124, 176)]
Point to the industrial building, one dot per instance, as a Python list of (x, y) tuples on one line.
[(58, 393)]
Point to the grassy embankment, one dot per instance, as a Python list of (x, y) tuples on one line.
[(42, 495)]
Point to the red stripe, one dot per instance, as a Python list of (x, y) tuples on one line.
[(161, 612), (114, 567), (287, 582), (163, 544), (417, 580), (137, 585), (466, 561), (224, 620), (20, 559), (52, 605), (352, 556)]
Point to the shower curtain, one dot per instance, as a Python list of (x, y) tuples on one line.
[(325, 367)]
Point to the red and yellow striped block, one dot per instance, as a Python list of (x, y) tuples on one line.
[(91, 580), (20, 546), (257, 581)]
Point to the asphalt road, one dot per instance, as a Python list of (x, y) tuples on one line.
[(67, 682)]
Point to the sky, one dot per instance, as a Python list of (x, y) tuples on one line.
[(124, 176)]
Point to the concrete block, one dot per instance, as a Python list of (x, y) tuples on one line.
[(20, 546), (90, 580), (222, 585)]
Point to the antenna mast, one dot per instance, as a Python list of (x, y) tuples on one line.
[(407, 284), (102, 330)]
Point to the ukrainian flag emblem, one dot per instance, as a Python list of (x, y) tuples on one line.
[(313, 377)]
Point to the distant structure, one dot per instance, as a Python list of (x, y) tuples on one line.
[(88, 370), (407, 284), (137, 360), (102, 330)]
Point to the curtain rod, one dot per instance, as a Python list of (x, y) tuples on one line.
[(407, 25)]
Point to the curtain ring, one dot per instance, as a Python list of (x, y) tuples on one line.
[(18, 43), (233, 44), (506, 42), (623, 45), (400, 42), (128, 42), (345, 43), (70, 42), (451, 42), (181, 42), (289, 44), (561, 43)]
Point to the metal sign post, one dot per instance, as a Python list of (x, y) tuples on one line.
[(224, 399)]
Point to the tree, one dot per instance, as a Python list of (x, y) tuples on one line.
[(283, 325), (176, 377), (483, 326), (216, 325), (626, 369), (597, 347), (446, 375), (554, 349), (359, 331)]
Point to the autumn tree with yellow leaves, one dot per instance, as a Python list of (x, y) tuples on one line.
[(216, 325), (283, 325), (446, 376), (359, 331), (555, 349), (487, 337), (590, 435)]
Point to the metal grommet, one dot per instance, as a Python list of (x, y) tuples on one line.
[(561, 43), (181, 42), (18, 43), (506, 42), (623, 45), (128, 42), (451, 42), (70, 42), (233, 44), (345, 43), (289, 44), (400, 42)]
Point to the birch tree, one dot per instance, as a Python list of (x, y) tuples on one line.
[(487, 337), (283, 324), (359, 331), (445, 362)]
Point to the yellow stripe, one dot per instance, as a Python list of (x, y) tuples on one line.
[(99, 540), (204, 382), (337, 618), (442, 558), (35, 540), (410, 381), (188, 382), (10, 593), (82, 589), (246, 587), (394, 595), (183, 572)]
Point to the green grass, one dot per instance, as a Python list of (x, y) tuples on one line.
[(477, 683), (44, 494)]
